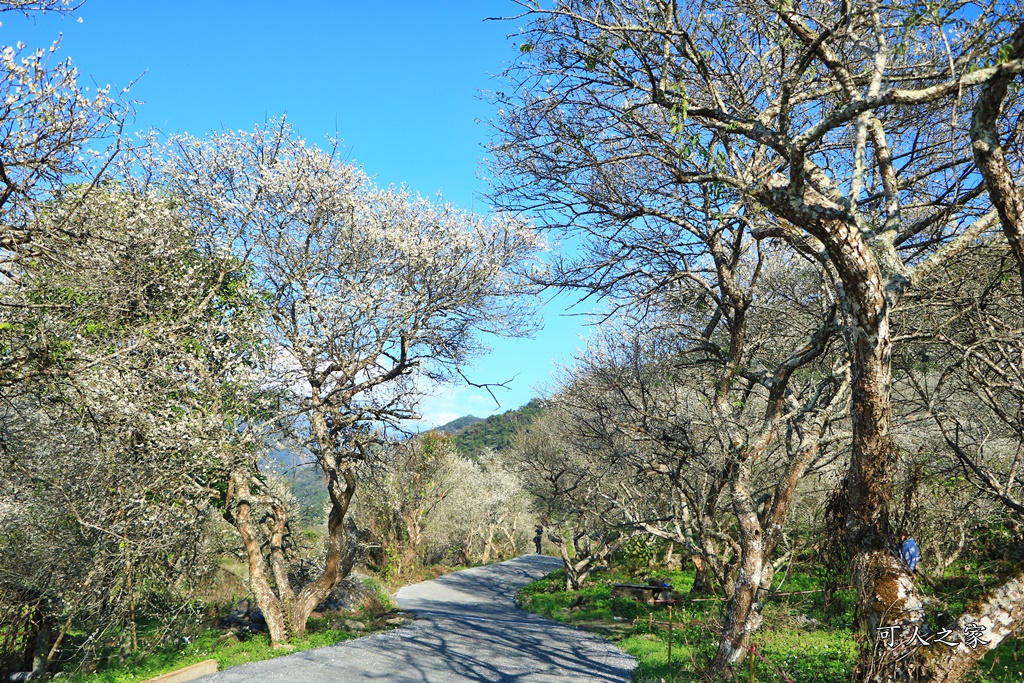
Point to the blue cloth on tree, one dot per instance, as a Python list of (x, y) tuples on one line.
[(911, 553)]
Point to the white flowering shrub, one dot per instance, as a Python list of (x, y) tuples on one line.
[(167, 316), (114, 356), (423, 503), (486, 516)]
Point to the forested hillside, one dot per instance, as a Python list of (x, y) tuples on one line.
[(497, 431), (459, 423)]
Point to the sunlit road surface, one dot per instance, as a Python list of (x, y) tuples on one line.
[(467, 628)]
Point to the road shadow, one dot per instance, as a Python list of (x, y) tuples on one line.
[(467, 630)]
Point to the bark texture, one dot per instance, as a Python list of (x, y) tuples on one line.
[(991, 157), (885, 589), (744, 615), (285, 609), (1000, 613)]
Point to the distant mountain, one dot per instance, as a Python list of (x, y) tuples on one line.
[(497, 431), (459, 423), (472, 435)]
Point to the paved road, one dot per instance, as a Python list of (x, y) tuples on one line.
[(466, 629)]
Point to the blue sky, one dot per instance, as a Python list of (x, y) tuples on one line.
[(399, 82)]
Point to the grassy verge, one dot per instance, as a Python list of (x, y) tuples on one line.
[(231, 648), (207, 645), (802, 639)]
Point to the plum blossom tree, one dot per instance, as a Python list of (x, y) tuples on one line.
[(423, 502), (572, 492), (106, 299), (648, 400), (367, 290), (404, 485), (485, 516), (51, 134)]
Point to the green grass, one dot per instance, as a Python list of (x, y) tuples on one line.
[(800, 638), (205, 646), (230, 650)]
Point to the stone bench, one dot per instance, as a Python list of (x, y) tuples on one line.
[(646, 592)]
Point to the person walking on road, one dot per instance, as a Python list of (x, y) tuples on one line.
[(538, 537)]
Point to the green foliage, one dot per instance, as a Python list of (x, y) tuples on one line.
[(382, 600), (391, 564), (1004, 52), (637, 553), (637, 628), (231, 651), (497, 431), (799, 637)]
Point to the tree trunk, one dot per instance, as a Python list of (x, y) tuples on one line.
[(886, 593), (702, 579), (579, 567), (38, 640), (571, 580), (510, 535), (744, 615), (885, 590), (342, 539), (998, 615), (284, 592), (285, 611), (991, 157), (413, 526), (342, 545), (43, 642), (488, 546), (239, 513), (575, 572), (730, 573), (742, 619)]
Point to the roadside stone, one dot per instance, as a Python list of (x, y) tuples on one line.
[(353, 625), (244, 618), (347, 595)]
